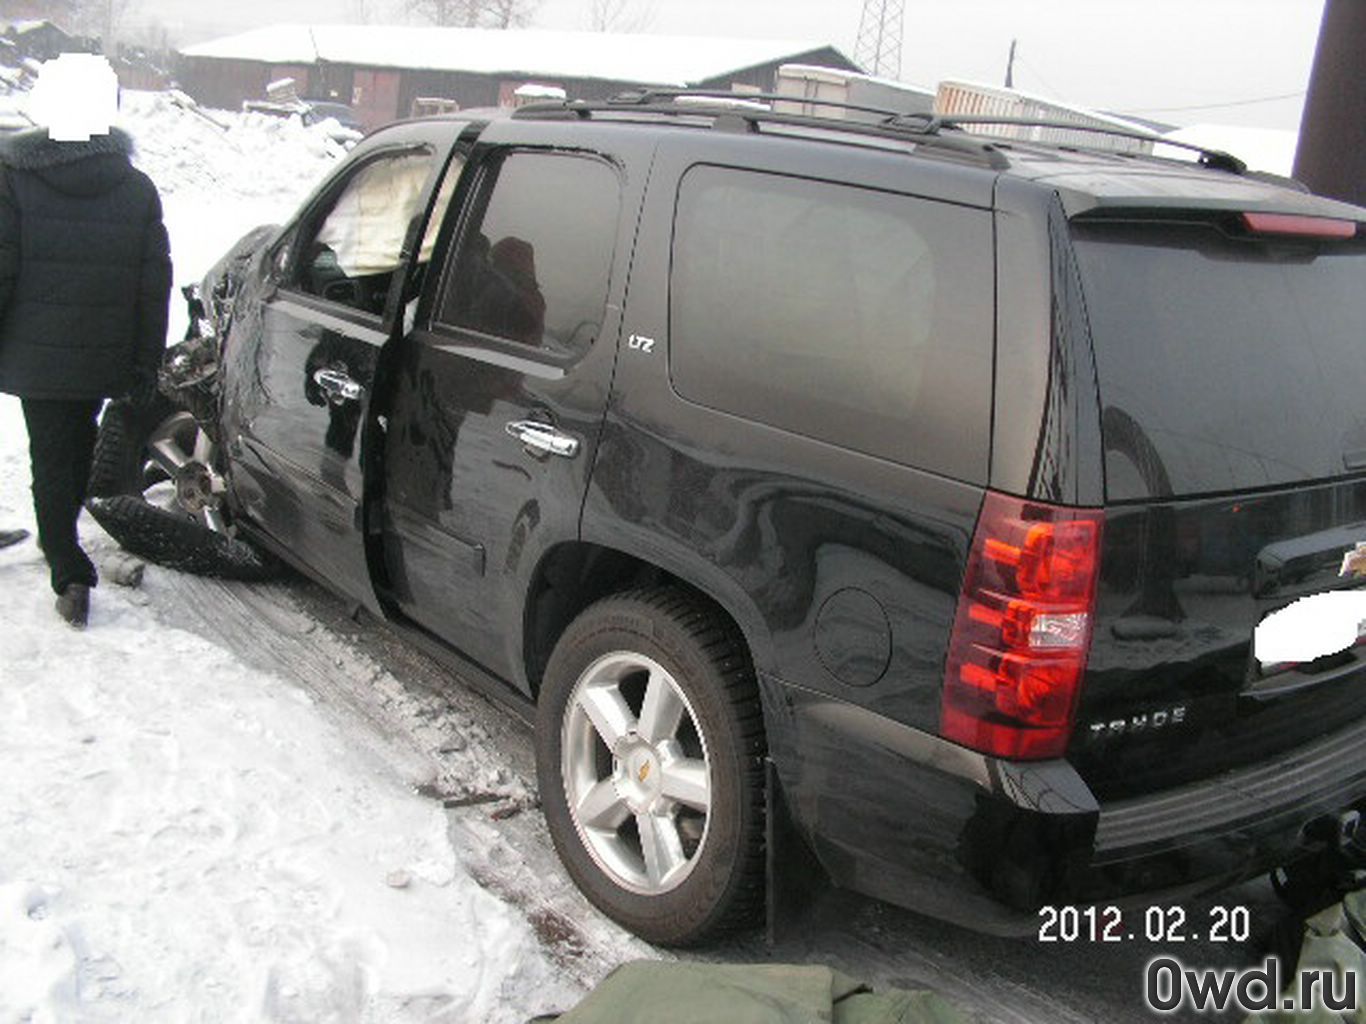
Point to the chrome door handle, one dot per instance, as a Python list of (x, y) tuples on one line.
[(543, 438), (338, 386)]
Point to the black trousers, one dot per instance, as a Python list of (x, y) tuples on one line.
[(61, 439)]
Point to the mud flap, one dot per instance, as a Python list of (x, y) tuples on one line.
[(798, 886)]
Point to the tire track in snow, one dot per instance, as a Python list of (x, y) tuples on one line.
[(443, 739), (443, 736)]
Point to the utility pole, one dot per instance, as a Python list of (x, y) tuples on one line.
[(1010, 66), (1331, 156), (878, 50)]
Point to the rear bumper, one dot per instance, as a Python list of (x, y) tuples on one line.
[(906, 817), (1235, 824)]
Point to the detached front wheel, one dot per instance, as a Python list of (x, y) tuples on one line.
[(649, 748), (156, 489)]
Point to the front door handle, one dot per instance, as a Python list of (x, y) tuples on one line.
[(543, 438), (337, 386)]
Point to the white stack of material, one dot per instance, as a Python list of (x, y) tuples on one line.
[(807, 83), (971, 99)]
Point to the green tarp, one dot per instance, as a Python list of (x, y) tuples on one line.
[(1332, 941), (693, 993)]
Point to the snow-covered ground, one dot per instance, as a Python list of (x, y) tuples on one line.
[(186, 836)]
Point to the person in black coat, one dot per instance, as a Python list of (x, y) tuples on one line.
[(85, 280)]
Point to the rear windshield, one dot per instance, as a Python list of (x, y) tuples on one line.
[(1224, 364)]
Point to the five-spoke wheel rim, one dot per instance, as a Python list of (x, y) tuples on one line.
[(636, 773)]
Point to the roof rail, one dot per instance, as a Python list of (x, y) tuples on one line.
[(1215, 159), (639, 97), (744, 112)]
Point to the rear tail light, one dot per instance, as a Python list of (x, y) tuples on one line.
[(1018, 650)]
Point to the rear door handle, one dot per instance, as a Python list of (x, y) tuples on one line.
[(543, 438), (337, 386)]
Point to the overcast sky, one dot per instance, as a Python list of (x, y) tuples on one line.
[(1131, 56)]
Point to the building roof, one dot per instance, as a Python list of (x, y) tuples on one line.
[(648, 59)]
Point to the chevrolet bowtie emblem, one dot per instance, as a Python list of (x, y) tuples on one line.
[(1354, 562), (644, 772)]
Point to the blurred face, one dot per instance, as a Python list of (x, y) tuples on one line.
[(76, 96)]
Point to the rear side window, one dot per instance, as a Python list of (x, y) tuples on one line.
[(1224, 363), (858, 317), (534, 264)]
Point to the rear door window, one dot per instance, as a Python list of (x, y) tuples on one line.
[(534, 263), (854, 316), (1224, 363)]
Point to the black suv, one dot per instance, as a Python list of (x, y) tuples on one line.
[(922, 488)]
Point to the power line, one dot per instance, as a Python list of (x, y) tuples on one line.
[(1217, 106), (1034, 71)]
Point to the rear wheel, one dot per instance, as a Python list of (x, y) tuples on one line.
[(649, 748)]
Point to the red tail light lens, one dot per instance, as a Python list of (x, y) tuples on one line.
[(1023, 628), (1295, 224)]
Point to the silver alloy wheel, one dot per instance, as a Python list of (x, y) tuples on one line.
[(181, 449), (638, 785)]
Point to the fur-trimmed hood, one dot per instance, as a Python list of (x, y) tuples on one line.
[(33, 150), (75, 168)]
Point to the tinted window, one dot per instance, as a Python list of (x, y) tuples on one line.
[(1224, 363), (356, 249), (533, 268), (859, 317)]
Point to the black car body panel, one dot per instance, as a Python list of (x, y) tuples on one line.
[(298, 446), (836, 536), (468, 513)]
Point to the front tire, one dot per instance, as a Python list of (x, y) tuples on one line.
[(649, 751), (141, 446)]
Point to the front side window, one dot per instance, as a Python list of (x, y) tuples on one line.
[(352, 257), (534, 265), (857, 317)]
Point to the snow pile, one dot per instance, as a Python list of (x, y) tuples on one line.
[(187, 838), (184, 147)]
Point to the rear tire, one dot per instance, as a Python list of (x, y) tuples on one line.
[(649, 725)]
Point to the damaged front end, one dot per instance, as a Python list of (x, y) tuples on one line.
[(175, 439)]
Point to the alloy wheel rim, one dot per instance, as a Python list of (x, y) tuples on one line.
[(182, 449), (637, 776)]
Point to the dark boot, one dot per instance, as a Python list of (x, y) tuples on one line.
[(8, 538), (73, 604)]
